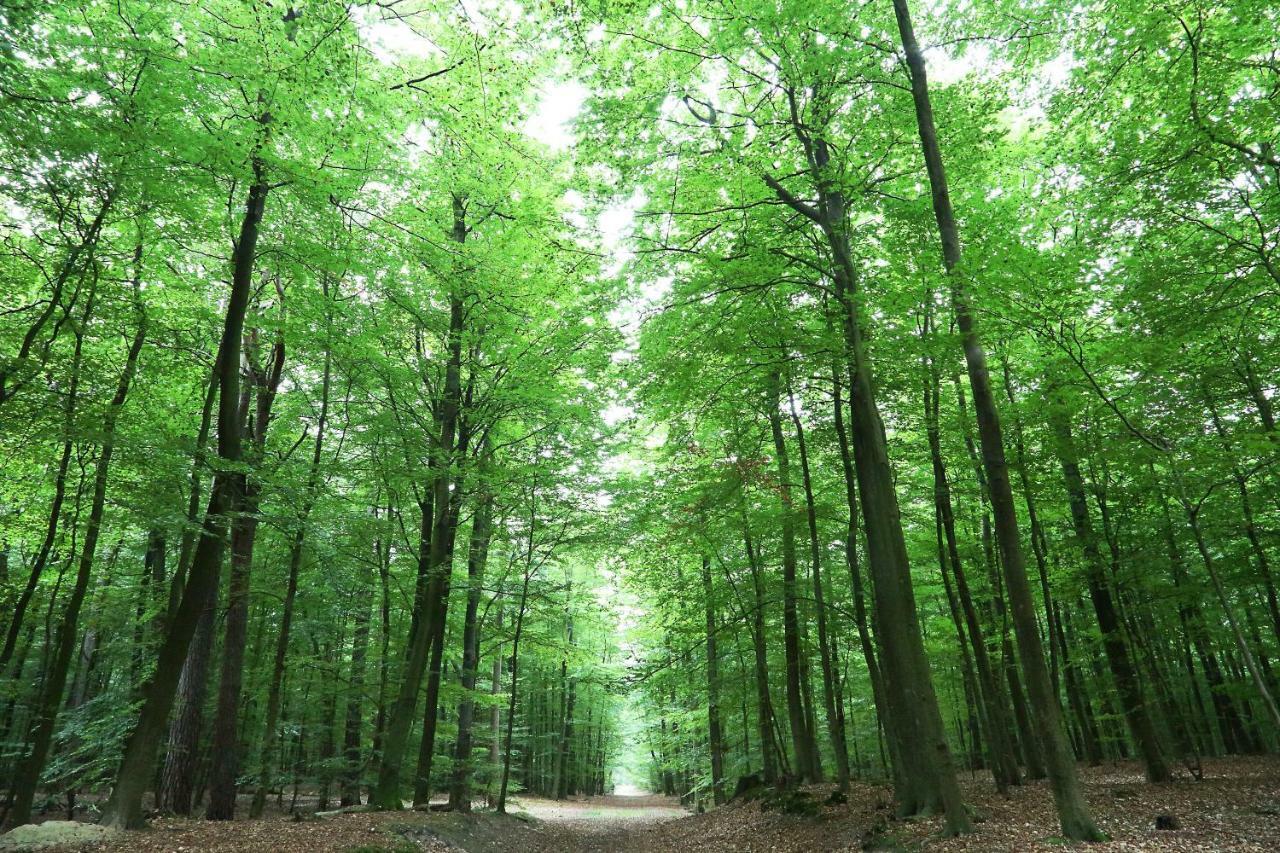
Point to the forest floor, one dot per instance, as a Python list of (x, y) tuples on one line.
[(1235, 808)]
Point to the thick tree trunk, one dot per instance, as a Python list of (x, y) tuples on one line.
[(924, 774), (176, 788)]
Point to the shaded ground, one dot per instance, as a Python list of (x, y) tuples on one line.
[(1236, 808)]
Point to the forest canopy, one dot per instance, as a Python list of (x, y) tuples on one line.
[(403, 398)]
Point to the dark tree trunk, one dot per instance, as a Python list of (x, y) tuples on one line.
[(501, 806), (835, 729), (1004, 762), (715, 737), (764, 704), (177, 775), (354, 720), (478, 555), (1073, 812), (64, 644), (244, 532), (801, 737), (124, 808), (266, 766), (41, 560), (387, 794), (1132, 702), (851, 552), (924, 776)]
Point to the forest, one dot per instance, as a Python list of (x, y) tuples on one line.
[(697, 424)]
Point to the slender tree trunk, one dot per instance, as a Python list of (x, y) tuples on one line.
[(851, 552), (1039, 542), (1004, 762), (1073, 812), (764, 704), (495, 716), (124, 807), (715, 737), (501, 807), (801, 737), (387, 794), (1250, 661), (266, 765), (55, 679), (41, 560), (354, 720), (829, 688), (79, 257), (244, 531), (481, 531), (1123, 671)]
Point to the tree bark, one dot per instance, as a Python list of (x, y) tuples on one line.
[(244, 531), (825, 643), (1123, 672), (801, 737), (478, 555), (124, 807), (387, 794), (55, 679), (715, 736), (1073, 812)]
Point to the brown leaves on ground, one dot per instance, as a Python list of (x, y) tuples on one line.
[(368, 832), (1236, 808)]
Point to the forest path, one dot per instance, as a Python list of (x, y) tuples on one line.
[(611, 823)]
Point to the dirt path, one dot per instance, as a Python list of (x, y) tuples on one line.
[(598, 824)]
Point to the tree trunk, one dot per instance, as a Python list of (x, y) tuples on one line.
[(266, 766), (481, 531), (501, 807), (1132, 702), (1004, 762), (244, 532), (387, 794), (801, 737), (124, 807), (1073, 812), (825, 643), (55, 678), (764, 704), (41, 560), (715, 737)]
